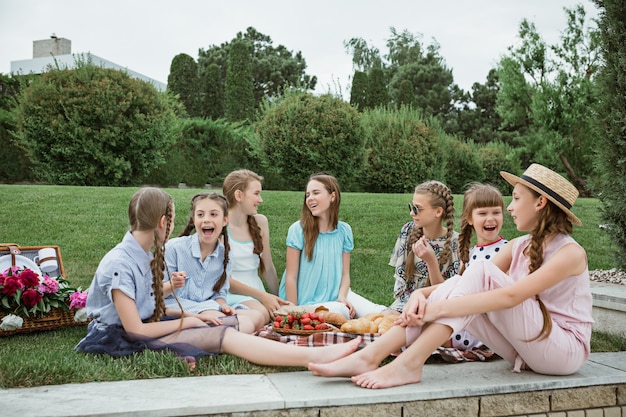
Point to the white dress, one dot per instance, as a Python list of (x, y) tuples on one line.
[(245, 269)]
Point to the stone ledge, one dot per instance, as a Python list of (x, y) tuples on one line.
[(468, 388)]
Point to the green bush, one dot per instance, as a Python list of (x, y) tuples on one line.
[(463, 165), (93, 126), (496, 157), (304, 134), (401, 151), (205, 152)]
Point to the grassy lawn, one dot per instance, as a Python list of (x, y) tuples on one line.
[(88, 221)]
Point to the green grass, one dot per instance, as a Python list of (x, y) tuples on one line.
[(88, 221)]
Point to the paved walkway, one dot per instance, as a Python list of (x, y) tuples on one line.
[(280, 391)]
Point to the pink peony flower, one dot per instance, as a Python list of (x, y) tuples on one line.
[(49, 285), (78, 299)]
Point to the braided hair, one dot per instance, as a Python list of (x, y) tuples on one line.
[(440, 197), (190, 227), (552, 221), (239, 181), (146, 208)]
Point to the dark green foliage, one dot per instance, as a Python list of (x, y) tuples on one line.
[(205, 152), (239, 104), (377, 95), (304, 134), (14, 166), (611, 114), (183, 81), (93, 126), (463, 165), (496, 157), (213, 98), (274, 68), (405, 94), (401, 151), (358, 92)]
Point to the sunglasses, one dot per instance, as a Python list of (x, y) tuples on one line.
[(415, 210)]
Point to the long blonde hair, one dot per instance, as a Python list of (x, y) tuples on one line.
[(145, 210), (221, 200), (440, 197), (239, 180), (309, 223)]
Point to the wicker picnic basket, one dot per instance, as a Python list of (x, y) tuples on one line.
[(56, 317)]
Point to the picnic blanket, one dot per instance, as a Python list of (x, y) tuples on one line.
[(450, 355)]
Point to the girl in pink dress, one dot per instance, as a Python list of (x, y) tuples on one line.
[(530, 304)]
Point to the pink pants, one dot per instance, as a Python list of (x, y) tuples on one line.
[(507, 332)]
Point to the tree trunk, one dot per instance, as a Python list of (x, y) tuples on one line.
[(579, 182)]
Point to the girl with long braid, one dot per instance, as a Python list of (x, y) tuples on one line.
[(531, 303), (250, 252), (125, 300), (200, 266), (427, 249)]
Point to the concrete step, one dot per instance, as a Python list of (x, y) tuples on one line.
[(609, 307)]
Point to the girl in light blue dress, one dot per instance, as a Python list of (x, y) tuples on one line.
[(318, 254)]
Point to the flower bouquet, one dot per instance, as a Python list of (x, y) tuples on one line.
[(31, 301)]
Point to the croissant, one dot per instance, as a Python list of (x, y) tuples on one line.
[(385, 324), (361, 325), (332, 318)]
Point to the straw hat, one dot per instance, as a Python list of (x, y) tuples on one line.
[(549, 184)]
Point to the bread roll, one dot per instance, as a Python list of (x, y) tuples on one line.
[(386, 323), (332, 318), (360, 326)]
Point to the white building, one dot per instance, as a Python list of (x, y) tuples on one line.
[(57, 52)]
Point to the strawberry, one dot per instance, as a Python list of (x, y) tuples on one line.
[(305, 320), (308, 327), (277, 323), (314, 316)]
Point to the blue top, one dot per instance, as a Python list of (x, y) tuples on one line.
[(319, 279), (197, 295), (126, 267)]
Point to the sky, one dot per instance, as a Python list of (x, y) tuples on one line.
[(145, 35)]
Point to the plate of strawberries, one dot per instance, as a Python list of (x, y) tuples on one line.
[(301, 323)]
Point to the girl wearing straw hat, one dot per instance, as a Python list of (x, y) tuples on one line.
[(530, 304)]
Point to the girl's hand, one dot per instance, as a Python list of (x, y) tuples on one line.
[(351, 310), (178, 279), (272, 303), (227, 310), (210, 316), (191, 322), (422, 249), (414, 310)]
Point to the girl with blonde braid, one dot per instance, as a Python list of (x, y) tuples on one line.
[(427, 249), (200, 266), (531, 304), (126, 302), (249, 237)]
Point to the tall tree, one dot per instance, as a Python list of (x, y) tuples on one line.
[(408, 59), (183, 80), (274, 68), (377, 95), (214, 90), (611, 114), (548, 92), (358, 92), (239, 84)]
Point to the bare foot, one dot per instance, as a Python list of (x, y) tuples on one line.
[(391, 375), (333, 352), (346, 366)]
